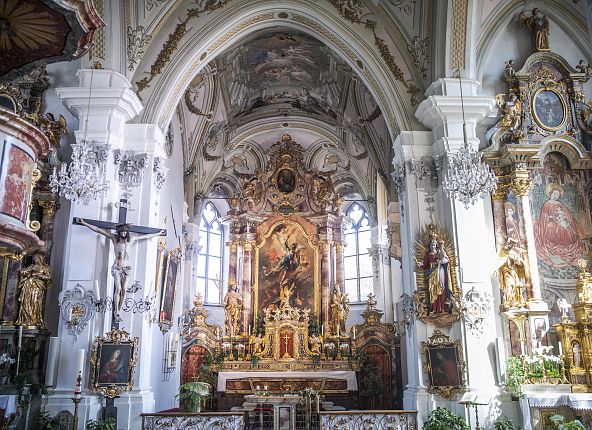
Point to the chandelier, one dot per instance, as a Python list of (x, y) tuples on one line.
[(81, 181), (467, 177)]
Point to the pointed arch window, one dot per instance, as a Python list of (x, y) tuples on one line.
[(211, 255), (357, 260)]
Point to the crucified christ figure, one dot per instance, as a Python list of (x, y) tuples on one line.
[(122, 240)]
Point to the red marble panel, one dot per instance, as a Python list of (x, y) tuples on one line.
[(15, 184)]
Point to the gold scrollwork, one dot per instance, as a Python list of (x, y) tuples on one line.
[(33, 225)]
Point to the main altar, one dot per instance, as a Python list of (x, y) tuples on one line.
[(285, 310)]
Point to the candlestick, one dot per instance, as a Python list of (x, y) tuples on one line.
[(80, 368), (52, 359), (76, 399)]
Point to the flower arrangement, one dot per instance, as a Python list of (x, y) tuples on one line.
[(538, 368), (6, 359)]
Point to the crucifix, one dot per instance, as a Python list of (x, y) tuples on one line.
[(125, 235), (286, 340)]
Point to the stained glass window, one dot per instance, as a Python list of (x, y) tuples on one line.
[(211, 254), (357, 260)]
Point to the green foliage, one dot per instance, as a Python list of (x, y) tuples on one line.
[(313, 325), (515, 375), (560, 424), (100, 424), (444, 419), (316, 360), (254, 361), (208, 370), (192, 394), (506, 423), (46, 422), (259, 325)]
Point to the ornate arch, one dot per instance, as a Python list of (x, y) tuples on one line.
[(236, 21)]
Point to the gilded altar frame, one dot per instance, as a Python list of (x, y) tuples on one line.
[(115, 338), (311, 243)]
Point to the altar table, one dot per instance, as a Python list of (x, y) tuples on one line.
[(337, 381)]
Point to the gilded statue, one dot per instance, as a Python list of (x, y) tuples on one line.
[(53, 129), (257, 344), (252, 192), (437, 297), (316, 344), (539, 25), (323, 192), (233, 308), (339, 311), (511, 111), (513, 274), (35, 279), (584, 283), (121, 268)]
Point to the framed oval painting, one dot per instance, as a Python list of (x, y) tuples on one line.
[(286, 181), (549, 109)]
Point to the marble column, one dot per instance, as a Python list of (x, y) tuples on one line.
[(247, 283), (339, 248), (325, 281), (498, 199), (521, 183)]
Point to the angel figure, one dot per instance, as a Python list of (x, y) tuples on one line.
[(511, 110), (539, 25), (257, 345), (53, 129)]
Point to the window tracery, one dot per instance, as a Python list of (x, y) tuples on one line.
[(357, 259), (211, 255)]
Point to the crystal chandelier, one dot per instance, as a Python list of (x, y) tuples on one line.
[(467, 177), (81, 181)]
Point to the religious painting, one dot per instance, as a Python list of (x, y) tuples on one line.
[(167, 305), (444, 365), (17, 167), (286, 181), (560, 205), (286, 269), (113, 363), (549, 109), (284, 420), (159, 276), (513, 222), (437, 294)]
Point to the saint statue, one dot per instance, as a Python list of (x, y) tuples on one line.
[(35, 279), (437, 272), (121, 268), (539, 25), (577, 355), (257, 345), (316, 344), (513, 274), (339, 311), (233, 308)]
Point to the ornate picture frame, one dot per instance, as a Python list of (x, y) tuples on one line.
[(437, 297), (169, 290), (444, 364), (547, 104), (113, 363), (159, 276)]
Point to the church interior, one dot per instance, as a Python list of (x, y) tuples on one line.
[(295, 214)]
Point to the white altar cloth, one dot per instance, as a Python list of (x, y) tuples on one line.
[(347, 375), (576, 401)]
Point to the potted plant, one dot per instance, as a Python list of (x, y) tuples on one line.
[(506, 423), (46, 422), (192, 394), (559, 423), (515, 375), (445, 419), (100, 424)]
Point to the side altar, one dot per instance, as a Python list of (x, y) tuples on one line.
[(285, 310)]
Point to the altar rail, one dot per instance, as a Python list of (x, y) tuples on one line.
[(202, 421), (366, 420)]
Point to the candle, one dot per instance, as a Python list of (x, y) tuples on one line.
[(249, 329), (354, 333), (80, 367), (97, 293), (322, 330), (20, 337), (52, 359), (559, 344), (337, 330)]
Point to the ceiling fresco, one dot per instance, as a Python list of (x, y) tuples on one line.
[(282, 70)]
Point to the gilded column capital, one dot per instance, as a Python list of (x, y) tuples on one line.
[(49, 207), (232, 245), (500, 192), (325, 245), (521, 186), (248, 245), (340, 246)]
